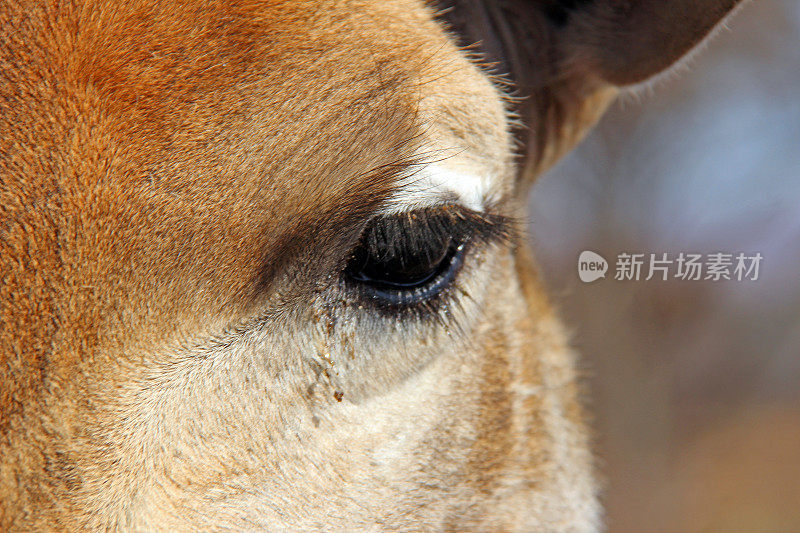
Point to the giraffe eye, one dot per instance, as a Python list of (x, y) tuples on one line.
[(412, 260), (407, 258)]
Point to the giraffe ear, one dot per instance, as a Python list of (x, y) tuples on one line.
[(627, 41), (566, 57), (621, 41)]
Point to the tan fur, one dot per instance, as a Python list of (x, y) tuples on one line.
[(180, 183)]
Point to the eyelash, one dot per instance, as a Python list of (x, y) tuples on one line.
[(472, 231)]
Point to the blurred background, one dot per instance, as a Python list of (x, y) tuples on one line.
[(694, 386)]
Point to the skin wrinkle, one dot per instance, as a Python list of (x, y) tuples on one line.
[(180, 188)]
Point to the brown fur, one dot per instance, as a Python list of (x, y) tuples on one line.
[(179, 184)]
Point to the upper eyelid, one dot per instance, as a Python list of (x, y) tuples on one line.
[(435, 223)]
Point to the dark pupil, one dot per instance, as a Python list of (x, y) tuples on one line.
[(397, 256)]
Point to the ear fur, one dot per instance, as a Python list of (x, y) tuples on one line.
[(567, 58)]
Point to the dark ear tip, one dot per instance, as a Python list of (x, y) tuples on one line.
[(624, 43)]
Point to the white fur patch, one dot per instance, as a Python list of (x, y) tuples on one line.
[(443, 182)]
